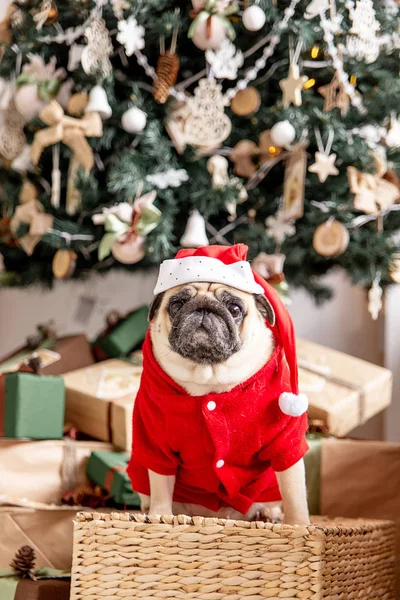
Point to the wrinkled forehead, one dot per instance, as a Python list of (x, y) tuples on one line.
[(212, 290)]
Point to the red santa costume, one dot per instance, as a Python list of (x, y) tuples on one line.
[(223, 448)]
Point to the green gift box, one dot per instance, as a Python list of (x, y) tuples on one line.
[(108, 469), (124, 337), (32, 406)]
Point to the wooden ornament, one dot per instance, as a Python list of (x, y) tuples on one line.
[(53, 14), (335, 96), (331, 238), (294, 184), (292, 86), (246, 102), (167, 74), (64, 263), (324, 166), (77, 103)]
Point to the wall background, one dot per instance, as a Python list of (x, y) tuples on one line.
[(343, 324)]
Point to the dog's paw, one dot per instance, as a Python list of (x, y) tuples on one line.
[(269, 514)]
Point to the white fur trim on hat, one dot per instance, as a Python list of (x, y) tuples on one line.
[(179, 271), (293, 405)]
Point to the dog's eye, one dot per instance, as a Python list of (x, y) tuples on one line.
[(235, 310), (175, 307)]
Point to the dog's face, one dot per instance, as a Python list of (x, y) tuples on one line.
[(207, 323)]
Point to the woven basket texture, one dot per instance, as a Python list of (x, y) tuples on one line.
[(129, 556)]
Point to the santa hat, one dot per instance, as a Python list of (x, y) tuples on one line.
[(228, 265)]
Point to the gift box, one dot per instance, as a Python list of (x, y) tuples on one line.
[(42, 589), (355, 478), (58, 356), (108, 469), (43, 471), (122, 336), (31, 406), (100, 398), (343, 391), (185, 557)]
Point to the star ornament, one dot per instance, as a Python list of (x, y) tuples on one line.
[(324, 166), (291, 86), (335, 96)]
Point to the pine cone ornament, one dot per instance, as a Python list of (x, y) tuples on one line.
[(24, 561), (167, 74)]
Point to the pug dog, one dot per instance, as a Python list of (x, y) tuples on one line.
[(209, 339)]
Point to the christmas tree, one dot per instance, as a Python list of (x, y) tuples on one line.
[(131, 127)]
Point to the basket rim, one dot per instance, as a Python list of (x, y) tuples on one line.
[(333, 525)]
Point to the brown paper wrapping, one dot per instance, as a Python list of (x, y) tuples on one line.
[(362, 479), (42, 471), (108, 419), (353, 391)]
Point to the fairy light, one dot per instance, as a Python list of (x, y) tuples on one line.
[(309, 84), (272, 150), (353, 79), (314, 52)]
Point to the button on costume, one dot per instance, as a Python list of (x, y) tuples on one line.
[(223, 448)]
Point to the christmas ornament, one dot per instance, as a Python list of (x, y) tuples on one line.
[(294, 183), (268, 265), (373, 193), (31, 214), (131, 35), (95, 57), (64, 263), (167, 74), (247, 156), (291, 86), (22, 163), (392, 138), (217, 166), (207, 125), (134, 120), (77, 104), (118, 7), (75, 56), (363, 44), (246, 102), (315, 8), (169, 178), (283, 134), (375, 298), (98, 103), (12, 137), (211, 25), (371, 134), (24, 561), (279, 227), (331, 238), (253, 18), (195, 231), (178, 112), (324, 161), (335, 96), (73, 133), (125, 236), (45, 14), (38, 84), (28, 191), (225, 61)]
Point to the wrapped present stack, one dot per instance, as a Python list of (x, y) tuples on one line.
[(65, 436)]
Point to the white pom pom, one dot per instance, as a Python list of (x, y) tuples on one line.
[(293, 405)]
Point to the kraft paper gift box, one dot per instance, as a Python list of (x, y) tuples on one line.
[(108, 469), (43, 471), (31, 406), (100, 398), (125, 336), (60, 356), (355, 478), (343, 391)]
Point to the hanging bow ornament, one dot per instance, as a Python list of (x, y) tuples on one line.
[(31, 216), (73, 133), (373, 192), (211, 24), (126, 228)]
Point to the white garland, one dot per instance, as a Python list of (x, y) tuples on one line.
[(350, 90)]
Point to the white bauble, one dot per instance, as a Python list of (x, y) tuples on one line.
[(217, 35), (253, 18), (129, 252), (27, 102), (283, 134), (134, 120)]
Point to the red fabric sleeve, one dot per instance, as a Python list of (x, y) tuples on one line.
[(150, 443), (289, 444)]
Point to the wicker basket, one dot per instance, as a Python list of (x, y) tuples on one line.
[(130, 556)]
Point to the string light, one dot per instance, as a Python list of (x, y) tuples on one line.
[(353, 79), (309, 84), (272, 150), (314, 52)]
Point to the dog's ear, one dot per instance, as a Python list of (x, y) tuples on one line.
[(154, 306), (265, 308)]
